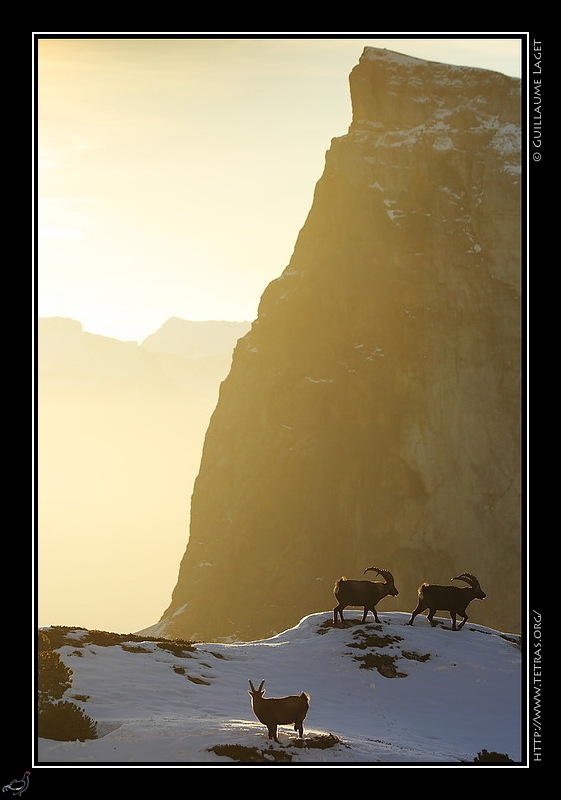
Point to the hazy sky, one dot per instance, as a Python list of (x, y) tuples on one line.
[(175, 173)]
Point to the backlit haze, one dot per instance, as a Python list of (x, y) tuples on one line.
[(175, 174), (173, 178)]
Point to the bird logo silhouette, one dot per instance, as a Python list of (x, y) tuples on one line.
[(17, 787)]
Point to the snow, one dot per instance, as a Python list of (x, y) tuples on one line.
[(395, 214), (456, 693), (375, 53), (448, 72), (444, 143)]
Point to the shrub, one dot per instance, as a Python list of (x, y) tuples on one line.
[(176, 647), (56, 636), (43, 642), (61, 720), (486, 757), (53, 677), (65, 722), (248, 755), (319, 742)]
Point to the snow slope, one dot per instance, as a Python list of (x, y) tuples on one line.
[(453, 695)]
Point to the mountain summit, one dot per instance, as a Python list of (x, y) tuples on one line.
[(371, 415)]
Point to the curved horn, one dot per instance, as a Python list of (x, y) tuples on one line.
[(468, 578), (383, 572)]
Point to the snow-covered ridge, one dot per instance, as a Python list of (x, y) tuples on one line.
[(379, 694), (402, 60)]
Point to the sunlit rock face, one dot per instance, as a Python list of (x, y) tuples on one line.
[(371, 415)]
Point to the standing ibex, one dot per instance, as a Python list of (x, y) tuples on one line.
[(363, 593), (273, 711), (454, 599)]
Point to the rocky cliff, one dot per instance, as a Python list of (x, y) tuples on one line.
[(371, 415)]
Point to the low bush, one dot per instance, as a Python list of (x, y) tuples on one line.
[(65, 722), (53, 677), (486, 757), (58, 719)]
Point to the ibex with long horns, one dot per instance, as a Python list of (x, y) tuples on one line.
[(274, 711), (363, 593), (454, 599)]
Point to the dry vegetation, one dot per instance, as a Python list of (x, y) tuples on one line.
[(272, 755), (371, 638)]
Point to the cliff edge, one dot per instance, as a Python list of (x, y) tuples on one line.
[(372, 413)]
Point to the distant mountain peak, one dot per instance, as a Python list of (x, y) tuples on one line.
[(58, 325), (196, 338)]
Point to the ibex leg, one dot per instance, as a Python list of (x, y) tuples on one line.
[(373, 610), (418, 610)]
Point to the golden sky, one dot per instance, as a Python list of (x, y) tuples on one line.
[(174, 174)]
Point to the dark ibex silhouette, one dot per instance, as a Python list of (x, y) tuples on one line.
[(274, 711), (363, 593), (454, 599)]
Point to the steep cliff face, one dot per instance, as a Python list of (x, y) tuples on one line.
[(371, 415)]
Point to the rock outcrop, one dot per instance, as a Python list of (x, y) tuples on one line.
[(371, 415)]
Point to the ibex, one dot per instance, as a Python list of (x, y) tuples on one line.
[(363, 593), (274, 711), (454, 599)]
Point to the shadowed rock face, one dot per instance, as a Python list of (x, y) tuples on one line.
[(371, 415)]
